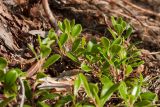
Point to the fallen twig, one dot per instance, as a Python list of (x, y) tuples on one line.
[(23, 92), (49, 14)]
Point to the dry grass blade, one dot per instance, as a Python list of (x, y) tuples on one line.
[(35, 67)]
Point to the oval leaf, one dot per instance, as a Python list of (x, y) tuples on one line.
[(51, 60), (76, 44), (11, 77), (63, 38), (76, 30), (85, 67), (45, 51)]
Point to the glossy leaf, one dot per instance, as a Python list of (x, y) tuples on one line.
[(113, 33), (106, 43), (85, 67), (76, 44), (107, 84), (42, 104), (129, 69), (45, 51), (128, 32), (63, 100), (109, 94), (90, 46), (51, 34), (61, 26), (33, 50), (76, 30), (114, 22), (11, 77), (85, 84), (63, 38), (144, 103), (72, 23), (28, 91), (119, 29), (72, 57), (51, 60), (94, 91), (117, 41), (77, 84), (114, 49), (67, 25), (123, 90), (148, 96)]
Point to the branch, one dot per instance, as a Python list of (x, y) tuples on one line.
[(49, 14)]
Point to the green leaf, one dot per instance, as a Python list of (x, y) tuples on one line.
[(109, 94), (119, 29), (3, 63), (48, 96), (51, 60), (33, 50), (72, 57), (85, 84), (128, 33), (26, 105), (76, 44), (76, 30), (63, 38), (148, 96), (67, 25), (129, 69), (45, 51), (42, 104), (123, 90), (52, 34), (61, 26), (113, 33), (94, 91), (144, 103), (114, 49), (28, 91), (136, 64), (124, 25), (106, 43), (113, 21), (117, 41), (39, 40), (72, 23), (11, 77), (107, 84), (40, 75), (85, 67), (83, 42), (77, 84), (120, 21), (63, 100), (90, 46)]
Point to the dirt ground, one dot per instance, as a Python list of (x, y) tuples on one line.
[(21, 20)]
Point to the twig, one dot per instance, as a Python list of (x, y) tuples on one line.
[(49, 14), (153, 53), (23, 92), (141, 9), (35, 67)]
